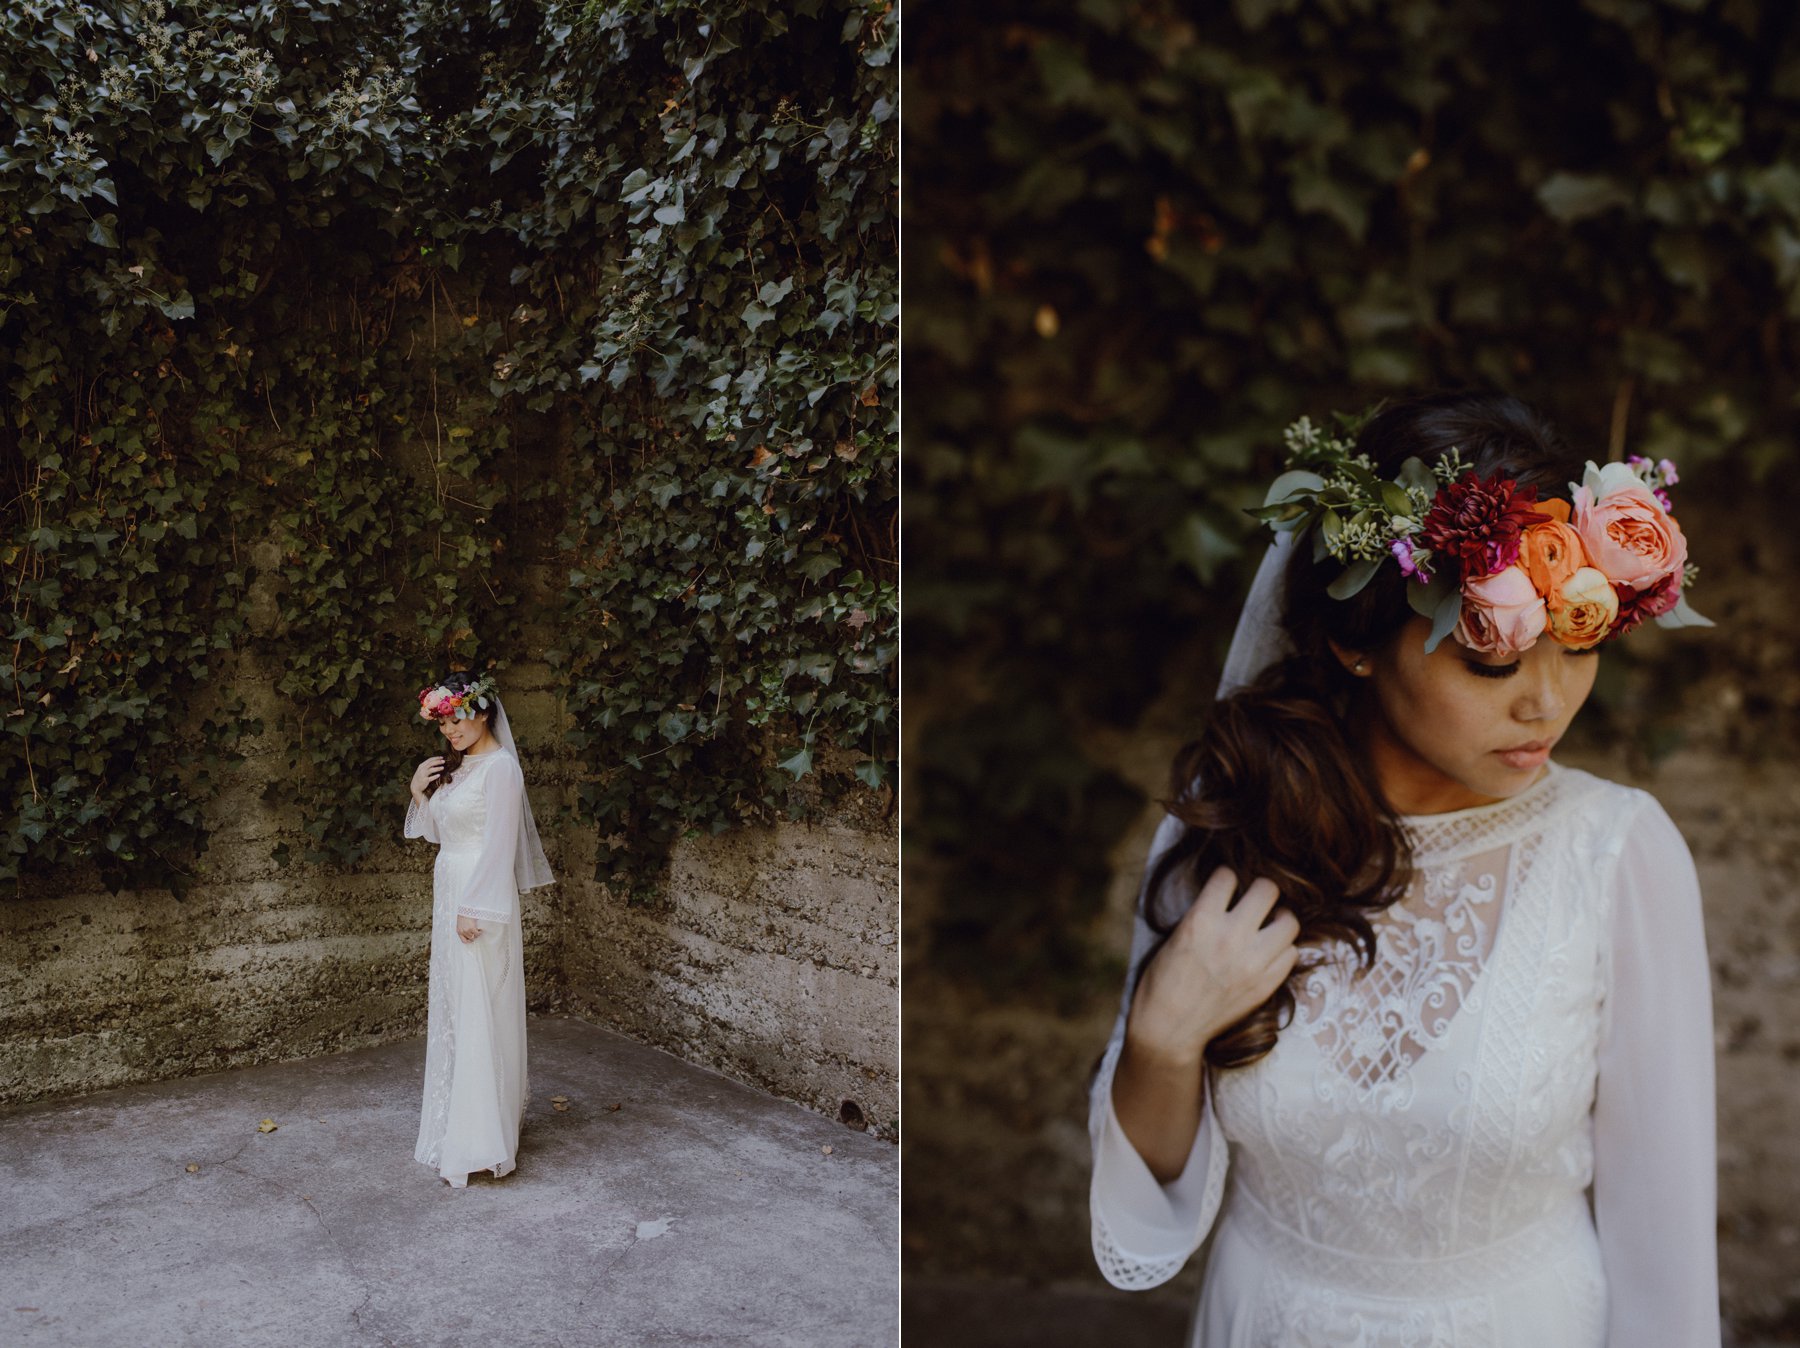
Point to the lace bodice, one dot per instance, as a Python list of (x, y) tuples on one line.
[(1425, 1130), (477, 813)]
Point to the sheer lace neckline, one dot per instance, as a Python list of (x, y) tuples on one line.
[(1442, 837)]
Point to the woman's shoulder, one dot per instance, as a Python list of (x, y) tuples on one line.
[(495, 767), (1626, 810)]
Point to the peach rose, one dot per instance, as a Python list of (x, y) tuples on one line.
[(1628, 534), (1582, 612), (1502, 613), (1550, 554)]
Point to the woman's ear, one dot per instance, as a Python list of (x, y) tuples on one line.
[(1356, 662)]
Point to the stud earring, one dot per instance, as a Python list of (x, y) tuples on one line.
[(1360, 667)]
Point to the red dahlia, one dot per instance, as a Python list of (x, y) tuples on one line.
[(1479, 523), (1636, 605)]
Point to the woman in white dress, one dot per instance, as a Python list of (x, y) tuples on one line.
[(1418, 1026), (471, 801)]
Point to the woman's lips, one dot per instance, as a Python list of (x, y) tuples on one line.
[(1522, 756)]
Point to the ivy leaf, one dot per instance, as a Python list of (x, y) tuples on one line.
[(799, 764), (1577, 196), (818, 565)]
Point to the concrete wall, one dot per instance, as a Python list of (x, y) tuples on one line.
[(773, 958)]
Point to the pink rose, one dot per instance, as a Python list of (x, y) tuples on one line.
[(1502, 614), (1628, 534)]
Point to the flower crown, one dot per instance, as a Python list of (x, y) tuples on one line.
[(441, 703), (1489, 560)]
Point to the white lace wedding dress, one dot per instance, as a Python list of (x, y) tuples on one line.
[(475, 1082), (1411, 1164)]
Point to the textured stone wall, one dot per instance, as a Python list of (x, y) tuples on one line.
[(773, 958)]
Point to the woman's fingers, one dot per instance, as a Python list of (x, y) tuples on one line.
[(1217, 891), (1258, 899), (1281, 929)]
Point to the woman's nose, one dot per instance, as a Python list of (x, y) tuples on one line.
[(1543, 697)]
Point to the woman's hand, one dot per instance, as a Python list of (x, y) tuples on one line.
[(425, 774), (1216, 967), (467, 929)]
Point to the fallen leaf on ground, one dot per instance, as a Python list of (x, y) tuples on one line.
[(560, 1109), (826, 1148), (267, 1126), (193, 1169), (614, 1109), (559, 1099)]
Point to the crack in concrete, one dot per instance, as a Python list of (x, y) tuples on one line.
[(345, 1257), (607, 1268)]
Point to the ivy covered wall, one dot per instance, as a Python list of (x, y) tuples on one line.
[(299, 273)]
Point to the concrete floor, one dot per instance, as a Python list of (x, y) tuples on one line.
[(697, 1212)]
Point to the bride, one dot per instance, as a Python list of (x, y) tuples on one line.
[(1418, 1026), (471, 801)]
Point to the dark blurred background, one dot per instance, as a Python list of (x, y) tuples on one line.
[(1141, 238)]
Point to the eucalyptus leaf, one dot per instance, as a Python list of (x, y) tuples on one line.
[(1396, 499), (1294, 481), (1354, 578), (1416, 476), (1683, 615), (1444, 617)]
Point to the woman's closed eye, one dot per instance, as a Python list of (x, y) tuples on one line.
[(1507, 671)]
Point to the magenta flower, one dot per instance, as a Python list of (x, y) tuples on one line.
[(1410, 565)]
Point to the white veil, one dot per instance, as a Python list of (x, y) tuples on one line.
[(531, 868), (1260, 640)]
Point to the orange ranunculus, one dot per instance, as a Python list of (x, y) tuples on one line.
[(1550, 553)]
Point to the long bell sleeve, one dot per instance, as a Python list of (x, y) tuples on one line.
[(420, 822), (1144, 1230), (492, 894), (1655, 1177)]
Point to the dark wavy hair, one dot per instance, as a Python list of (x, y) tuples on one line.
[(456, 681), (1277, 784)]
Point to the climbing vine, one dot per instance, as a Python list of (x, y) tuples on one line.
[(328, 328)]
